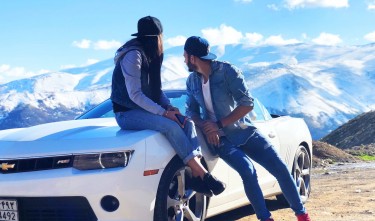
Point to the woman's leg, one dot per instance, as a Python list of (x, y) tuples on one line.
[(184, 142), (142, 120)]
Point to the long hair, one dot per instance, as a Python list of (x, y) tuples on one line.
[(153, 48)]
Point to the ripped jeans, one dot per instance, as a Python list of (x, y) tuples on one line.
[(183, 140), (261, 151)]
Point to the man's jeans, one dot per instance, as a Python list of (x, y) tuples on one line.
[(183, 140), (261, 151)]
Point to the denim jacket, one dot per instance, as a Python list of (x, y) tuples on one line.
[(228, 90)]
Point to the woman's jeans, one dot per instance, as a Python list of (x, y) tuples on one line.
[(183, 140), (261, 151)]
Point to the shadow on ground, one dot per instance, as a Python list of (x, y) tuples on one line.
[(245, 211)]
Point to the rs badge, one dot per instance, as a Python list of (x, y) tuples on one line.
[(6, 166)]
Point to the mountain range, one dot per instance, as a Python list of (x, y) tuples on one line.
[(325, 85)]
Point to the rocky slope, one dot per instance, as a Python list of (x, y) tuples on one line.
[(359, 131)]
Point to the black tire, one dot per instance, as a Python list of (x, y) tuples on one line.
[(174, 202), (301, 174)]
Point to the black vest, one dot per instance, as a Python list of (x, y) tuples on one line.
[(119, 93)]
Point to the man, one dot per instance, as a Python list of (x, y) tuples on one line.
[(219, 90)]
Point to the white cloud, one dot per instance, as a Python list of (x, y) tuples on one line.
[(88, 62), (225, 35), (106, 45), (175, 41), (327, 39), (370, 36), (8, 73), (84, 44), (91, 61), (279, 40), (291, 4), (222, 35), (243, 1), (98, 45), (252, 39), (273, 7), (371, 5), (304, 36)]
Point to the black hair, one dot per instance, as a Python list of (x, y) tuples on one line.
[(153, 48)]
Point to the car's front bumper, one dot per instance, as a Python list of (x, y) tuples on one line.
[(136, 193)]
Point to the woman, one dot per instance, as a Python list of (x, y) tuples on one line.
[(139, 102)]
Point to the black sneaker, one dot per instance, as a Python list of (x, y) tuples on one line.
[(196, 184), (215, 185)]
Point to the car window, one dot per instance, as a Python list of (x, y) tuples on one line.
[(260, 111), (104, 110), (257, 111)]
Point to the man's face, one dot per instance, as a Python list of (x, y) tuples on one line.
[(191, 67)]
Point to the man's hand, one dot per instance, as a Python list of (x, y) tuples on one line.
[(209, 127), (213, 138)]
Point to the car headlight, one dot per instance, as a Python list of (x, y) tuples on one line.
[(102, 160)]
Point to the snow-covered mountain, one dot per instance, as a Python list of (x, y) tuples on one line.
[(327, 86)]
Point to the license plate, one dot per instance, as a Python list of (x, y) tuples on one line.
[(8, 210)]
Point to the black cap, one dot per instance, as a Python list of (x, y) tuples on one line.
[(149, 26), (199, 47)]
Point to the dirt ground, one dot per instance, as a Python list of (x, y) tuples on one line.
[(339, 193)]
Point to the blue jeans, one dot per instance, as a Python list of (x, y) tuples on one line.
[(183, 140), (261, 151)]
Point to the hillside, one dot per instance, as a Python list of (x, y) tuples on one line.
[(325, 154), (359, 131)]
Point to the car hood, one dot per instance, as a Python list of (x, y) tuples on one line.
[(68, 137)]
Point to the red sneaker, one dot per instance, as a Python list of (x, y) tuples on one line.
[(303, 217)]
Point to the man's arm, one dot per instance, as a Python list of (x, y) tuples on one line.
[(235, 115), (236, 84)]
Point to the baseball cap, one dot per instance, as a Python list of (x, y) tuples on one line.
[(149, 26), (199, 47)]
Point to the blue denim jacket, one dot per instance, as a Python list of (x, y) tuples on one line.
[(228, 90)]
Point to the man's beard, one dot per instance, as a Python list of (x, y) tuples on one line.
[(191, 67)]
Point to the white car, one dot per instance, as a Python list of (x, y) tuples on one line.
[(88, 169)]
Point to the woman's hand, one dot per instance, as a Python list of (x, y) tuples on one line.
[(171, 114), (172, 108)]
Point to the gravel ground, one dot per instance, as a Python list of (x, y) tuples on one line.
[(344, 192)]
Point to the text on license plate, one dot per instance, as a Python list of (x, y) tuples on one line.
[(8, 210)]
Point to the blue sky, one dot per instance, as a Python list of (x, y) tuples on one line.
[(39, 36)]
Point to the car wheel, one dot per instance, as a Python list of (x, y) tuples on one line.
[(301, 174), (174, 201)]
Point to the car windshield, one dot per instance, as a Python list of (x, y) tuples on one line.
[(104, 109), (177, 98)]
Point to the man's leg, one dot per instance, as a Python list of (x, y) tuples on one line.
[(240, 162), (261, 151)]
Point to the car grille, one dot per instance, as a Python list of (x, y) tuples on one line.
[(35, 164), (54, 209)]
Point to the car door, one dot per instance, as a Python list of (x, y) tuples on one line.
[(263, 121)]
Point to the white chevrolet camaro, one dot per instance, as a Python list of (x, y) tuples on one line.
[(88, 169)]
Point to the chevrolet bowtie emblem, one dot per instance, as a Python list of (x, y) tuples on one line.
[(6, 166)]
